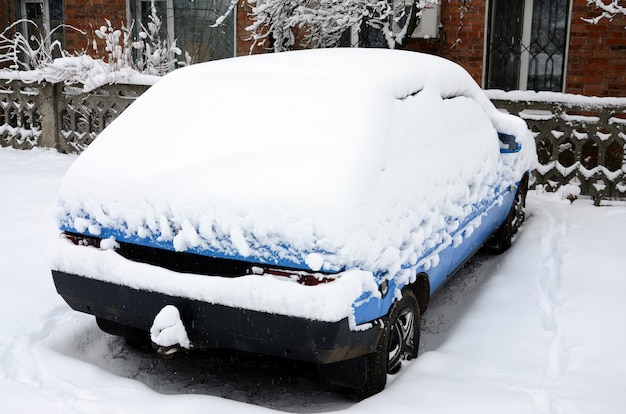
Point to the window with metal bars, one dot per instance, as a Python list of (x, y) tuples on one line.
[(527, 43)]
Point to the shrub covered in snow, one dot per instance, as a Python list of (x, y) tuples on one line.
[(40, 59)]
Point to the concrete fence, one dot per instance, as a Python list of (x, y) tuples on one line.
[(59, 116), (580, 144)]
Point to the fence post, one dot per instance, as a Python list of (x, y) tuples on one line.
[(49, 115)]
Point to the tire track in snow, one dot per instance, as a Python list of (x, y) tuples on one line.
[(18, 361), (552, 247)]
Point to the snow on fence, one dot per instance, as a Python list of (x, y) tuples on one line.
[(580, 141), (59, 116)]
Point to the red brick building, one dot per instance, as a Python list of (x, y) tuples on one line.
[(594, 55), (526, 45), (5, 13)]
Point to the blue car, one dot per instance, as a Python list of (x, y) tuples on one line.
[(304, 205)]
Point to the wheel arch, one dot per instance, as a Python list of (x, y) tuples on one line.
[(524, 182), (421, 289)]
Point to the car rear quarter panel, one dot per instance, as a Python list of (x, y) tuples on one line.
[(443, 261)]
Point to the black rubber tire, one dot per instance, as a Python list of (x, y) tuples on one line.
[(501, 239), (400, 341)]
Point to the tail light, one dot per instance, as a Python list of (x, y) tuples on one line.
[(82, 240), (299, 276)]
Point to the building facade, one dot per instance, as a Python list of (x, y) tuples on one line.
[(533, 45), (542, 45)]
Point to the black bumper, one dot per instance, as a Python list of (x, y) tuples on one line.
[(210, 325)]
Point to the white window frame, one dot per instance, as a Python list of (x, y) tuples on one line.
[(46, 15), (525, 53)]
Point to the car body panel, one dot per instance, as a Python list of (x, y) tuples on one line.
[(450, 257), (219, 326), (401, 192)]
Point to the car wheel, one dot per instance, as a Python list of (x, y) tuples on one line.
[(399, 342), (518, 210), (500, 241)]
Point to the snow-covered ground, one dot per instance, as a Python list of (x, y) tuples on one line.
[(539, 329)]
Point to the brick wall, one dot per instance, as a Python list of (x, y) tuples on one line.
[(5, 10), (597, 54), (243, 20), (88, 15), (596, 63), (460, 39)]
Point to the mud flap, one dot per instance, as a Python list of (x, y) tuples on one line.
[(350, 373)]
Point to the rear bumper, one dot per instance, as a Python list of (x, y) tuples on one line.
[(211, 325)]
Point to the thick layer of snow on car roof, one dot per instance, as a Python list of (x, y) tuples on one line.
[(332, 159)]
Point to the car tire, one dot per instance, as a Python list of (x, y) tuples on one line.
[(399, 342), (501, 239)]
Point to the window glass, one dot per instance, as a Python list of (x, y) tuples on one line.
[(527, 42), (189, 23), (505, 44), (46, 23), (161, 11), (34, 32), (202, 41), (547, 47), (55, 8)]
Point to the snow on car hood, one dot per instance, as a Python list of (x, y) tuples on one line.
[(326, 159)]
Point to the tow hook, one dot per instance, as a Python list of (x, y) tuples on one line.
[(168, 332)]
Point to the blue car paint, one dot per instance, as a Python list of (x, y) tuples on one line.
[(509, 145), (271, 258), (367, 307), (370, 308)]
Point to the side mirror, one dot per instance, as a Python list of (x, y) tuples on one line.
[(508, 144)]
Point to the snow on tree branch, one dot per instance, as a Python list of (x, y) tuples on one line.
[(287, 24), (38, 59), (464, 7), (118, 55), (158, 57), (20, 53), (609, 10)]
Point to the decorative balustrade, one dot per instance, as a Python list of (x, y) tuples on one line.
[(20, 115), (580, 142), (57, 115)]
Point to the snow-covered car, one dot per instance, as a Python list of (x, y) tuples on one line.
[(303, 205)]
